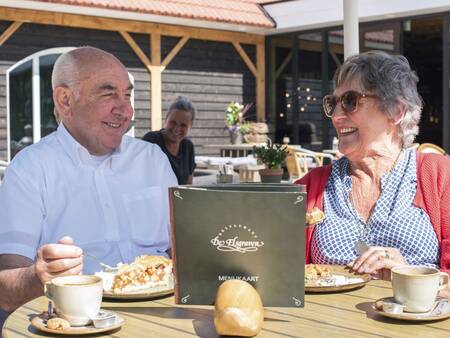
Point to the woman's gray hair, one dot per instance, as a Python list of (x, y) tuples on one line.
[(182, 103), (391, 79)]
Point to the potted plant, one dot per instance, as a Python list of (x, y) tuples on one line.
[(272, 156), (235, 121)]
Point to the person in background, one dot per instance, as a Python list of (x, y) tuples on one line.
[(86, 187), (172, 139), (382, 204)]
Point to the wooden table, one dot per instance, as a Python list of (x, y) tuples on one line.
[(345, 314), (234, 150)]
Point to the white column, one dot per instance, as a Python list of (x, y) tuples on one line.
[(351, 29)]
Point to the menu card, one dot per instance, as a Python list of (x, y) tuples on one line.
[(251, 232)]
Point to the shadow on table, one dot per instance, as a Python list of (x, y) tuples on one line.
[(370, 313), (202, 319)]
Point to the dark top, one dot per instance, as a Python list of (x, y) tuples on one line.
[(183, 164)]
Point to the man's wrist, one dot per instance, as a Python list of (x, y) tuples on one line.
[(33, 280)]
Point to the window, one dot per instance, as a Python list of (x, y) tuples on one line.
[(30, 102)]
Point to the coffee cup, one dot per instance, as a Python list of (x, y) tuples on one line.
[(76, 298), (417, 287)]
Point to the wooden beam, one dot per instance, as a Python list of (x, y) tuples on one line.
[(245, 57), (260, 82), (175, 51), (9, 31), (156, 82), (283, 65), (311, 46), (94, 22), (136, 49), (335, 58), (272, 112)]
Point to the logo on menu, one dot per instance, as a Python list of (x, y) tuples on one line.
[(238, 238)]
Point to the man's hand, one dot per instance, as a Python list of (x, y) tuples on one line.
[(54, 260), (378, 261)]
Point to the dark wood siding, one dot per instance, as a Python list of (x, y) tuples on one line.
[(210, 73), (4, 65)]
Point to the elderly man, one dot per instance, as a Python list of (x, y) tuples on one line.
[(84, 188)]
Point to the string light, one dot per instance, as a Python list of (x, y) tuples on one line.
[(302, 105)]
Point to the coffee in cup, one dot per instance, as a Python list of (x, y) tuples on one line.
[(77, 298), (417, 287)]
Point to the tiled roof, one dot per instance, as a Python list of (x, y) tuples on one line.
[(242, 12)]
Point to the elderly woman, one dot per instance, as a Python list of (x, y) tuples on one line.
[(383, 204), (172, 139)]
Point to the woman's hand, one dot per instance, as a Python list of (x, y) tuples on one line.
[(378, 260), (445, 293)]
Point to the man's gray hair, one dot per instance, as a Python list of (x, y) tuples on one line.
[(182, 103), (391, 79)]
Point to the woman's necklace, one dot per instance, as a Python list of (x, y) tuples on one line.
[(361, 246)]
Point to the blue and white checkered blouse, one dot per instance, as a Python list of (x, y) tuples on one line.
[(394, 222)]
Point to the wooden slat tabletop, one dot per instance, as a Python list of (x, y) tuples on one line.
[(345, 314)]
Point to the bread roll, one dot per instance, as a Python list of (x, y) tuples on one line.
[(238, 309)]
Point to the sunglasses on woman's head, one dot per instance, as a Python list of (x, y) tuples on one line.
[(349, 102)]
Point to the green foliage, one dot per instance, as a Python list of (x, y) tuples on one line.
[(272, 155)]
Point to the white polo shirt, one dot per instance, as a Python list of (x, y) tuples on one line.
[(115, 210)]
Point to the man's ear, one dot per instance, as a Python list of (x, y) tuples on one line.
[(63, 103), (399, 114)]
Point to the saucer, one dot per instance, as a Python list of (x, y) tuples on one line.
[(40, 323), (433, 314)]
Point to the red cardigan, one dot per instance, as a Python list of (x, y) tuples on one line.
[(433, 196)]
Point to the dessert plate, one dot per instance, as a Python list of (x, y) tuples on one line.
[(439, 311), (346, 280), (40, 323), (139, 294)]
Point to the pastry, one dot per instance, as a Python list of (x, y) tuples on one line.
[(144, 272), (57, 323), (315, 216)]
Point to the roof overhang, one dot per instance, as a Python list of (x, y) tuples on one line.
[(302, 15), (129, 15)]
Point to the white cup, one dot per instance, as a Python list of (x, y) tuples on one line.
[(417, 287), (77, 298)]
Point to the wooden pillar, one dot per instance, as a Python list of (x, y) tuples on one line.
[(259, 72), (155, 68), (272, 87), (295, 100), (260, 81), (156, 82), (326, 122)]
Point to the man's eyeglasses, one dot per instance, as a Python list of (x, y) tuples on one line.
[(349, 102)]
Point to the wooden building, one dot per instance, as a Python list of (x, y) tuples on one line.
[(213, 55), (279, 55)]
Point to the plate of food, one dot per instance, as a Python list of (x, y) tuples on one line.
[(145, 278), (329, 278)]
